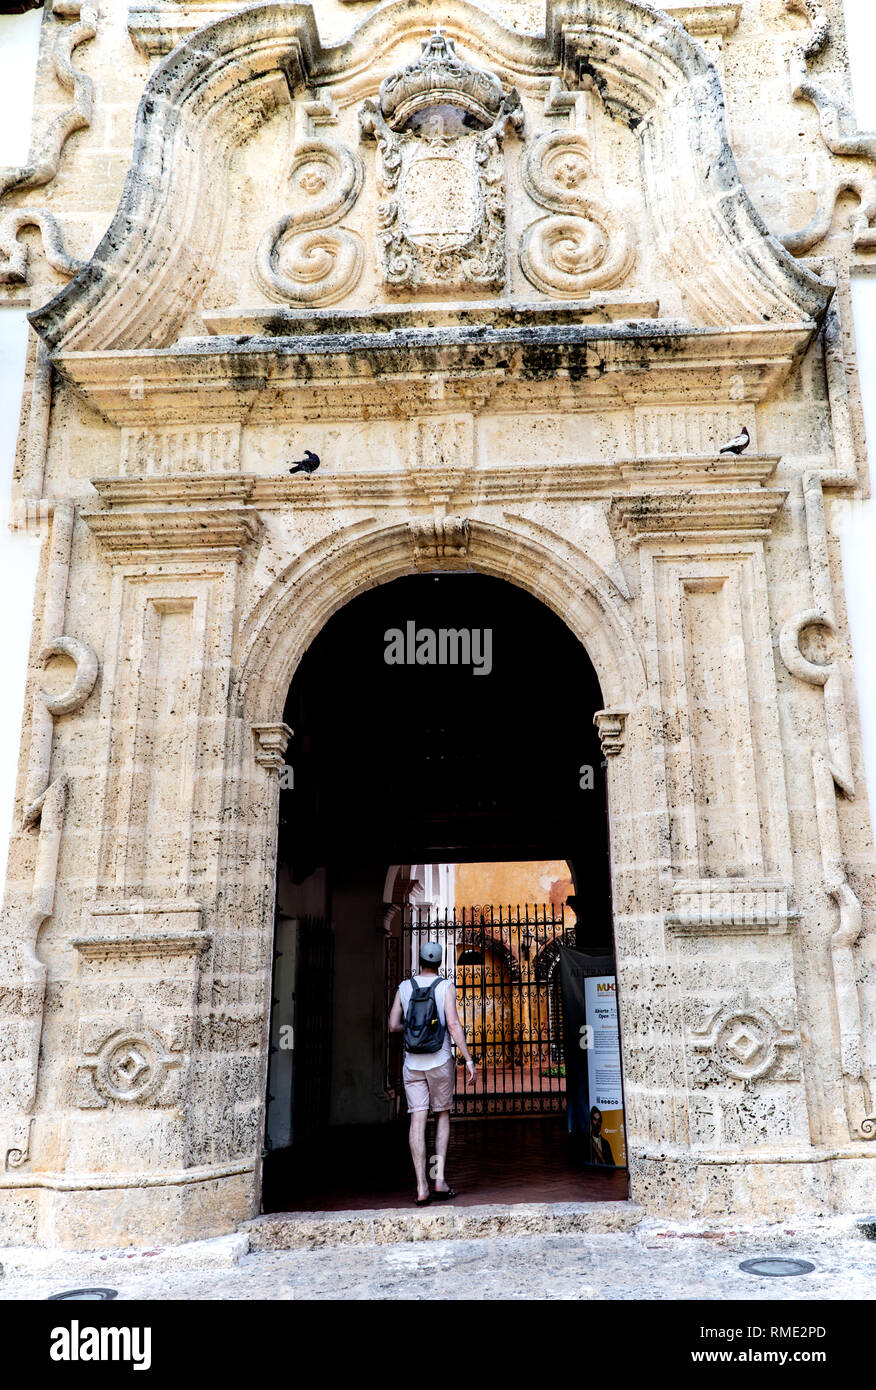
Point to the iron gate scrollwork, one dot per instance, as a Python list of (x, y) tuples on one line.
[(504, 962)]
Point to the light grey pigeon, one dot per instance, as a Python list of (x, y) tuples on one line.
[(737, 445)]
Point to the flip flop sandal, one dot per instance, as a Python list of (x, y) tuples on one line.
[(445, 1196)]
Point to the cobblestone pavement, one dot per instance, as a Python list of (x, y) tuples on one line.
[(639, 1265)]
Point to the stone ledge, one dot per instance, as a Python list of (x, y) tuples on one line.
[(222, 1252), (311, 1230)]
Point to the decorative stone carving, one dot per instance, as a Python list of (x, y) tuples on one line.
[(744, 1043), (841, 136), (442, 539), (584, 246), (646, 69), (44, 164), (180, 449), (304, 258), (862, 220), (44, 804), (611, 724), (444, 228), (272, 740), (678, 429), (819, 34), (838, 127), (730, 906), (13, 253), (721, 258), (15, 1142), (827, 674), (441, 449), (858, 1093), (829, 773), (131, 1067), (125, 1058)]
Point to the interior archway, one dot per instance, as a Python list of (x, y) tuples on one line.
[(408, 752)]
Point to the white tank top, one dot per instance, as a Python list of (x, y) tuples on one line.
[(425, 1061)]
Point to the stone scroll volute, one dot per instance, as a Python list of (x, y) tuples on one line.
[(304, 257), (583, 245)]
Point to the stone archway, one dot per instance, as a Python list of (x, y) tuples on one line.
[(302, 600), (568, 446)]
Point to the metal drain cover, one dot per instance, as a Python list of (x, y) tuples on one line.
[(773, 1267), (94, 1294)]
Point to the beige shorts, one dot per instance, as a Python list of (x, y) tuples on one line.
[(434, 1086)]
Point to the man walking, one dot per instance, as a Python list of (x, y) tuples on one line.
[(429, 1075)]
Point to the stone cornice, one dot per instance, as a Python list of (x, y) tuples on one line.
[(214, 378), (484, 315), (716, 476), (210, 533), (709, 515)]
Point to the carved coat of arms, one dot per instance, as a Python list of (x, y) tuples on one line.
[(440, 124)]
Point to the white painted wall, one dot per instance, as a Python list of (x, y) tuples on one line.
[(18, 555)]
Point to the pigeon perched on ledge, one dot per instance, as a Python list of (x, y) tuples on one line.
[(737, 445), (308, 464)]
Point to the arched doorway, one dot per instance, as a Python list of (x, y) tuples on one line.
[(438, 718)]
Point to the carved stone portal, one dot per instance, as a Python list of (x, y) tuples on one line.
[(440, 124)]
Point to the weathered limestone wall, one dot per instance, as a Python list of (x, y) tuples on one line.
[(516, 297)]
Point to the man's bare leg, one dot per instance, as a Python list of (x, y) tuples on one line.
[(442, 1138), (417, 1140)]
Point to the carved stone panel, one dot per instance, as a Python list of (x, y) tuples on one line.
[(719, 735), (440, 125), (136, 997), (180, 449), (743, 1043)]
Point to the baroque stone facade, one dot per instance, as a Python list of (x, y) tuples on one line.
[(509, 279)]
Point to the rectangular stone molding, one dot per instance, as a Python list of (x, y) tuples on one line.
[(676, 429), (730, 907), (742, 1045), (715, 710), (135, 998), (441, 450), (146, 452), (164, 715)]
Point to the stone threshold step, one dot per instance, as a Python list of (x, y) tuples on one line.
[(311, 1230)]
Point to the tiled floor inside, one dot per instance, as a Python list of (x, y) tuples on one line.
[(518, 1159)]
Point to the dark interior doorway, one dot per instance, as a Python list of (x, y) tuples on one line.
[(407, 762)]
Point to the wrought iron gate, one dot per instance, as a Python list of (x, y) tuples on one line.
[(504, 962)]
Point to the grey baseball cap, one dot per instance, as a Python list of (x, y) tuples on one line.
[(431, 952)]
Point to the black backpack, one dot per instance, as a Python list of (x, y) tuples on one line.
[(424, 1031)]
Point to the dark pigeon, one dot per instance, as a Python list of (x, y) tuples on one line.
[(308, 464)]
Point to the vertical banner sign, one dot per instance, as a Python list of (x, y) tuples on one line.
[(594, 1095), (604, 1072)]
